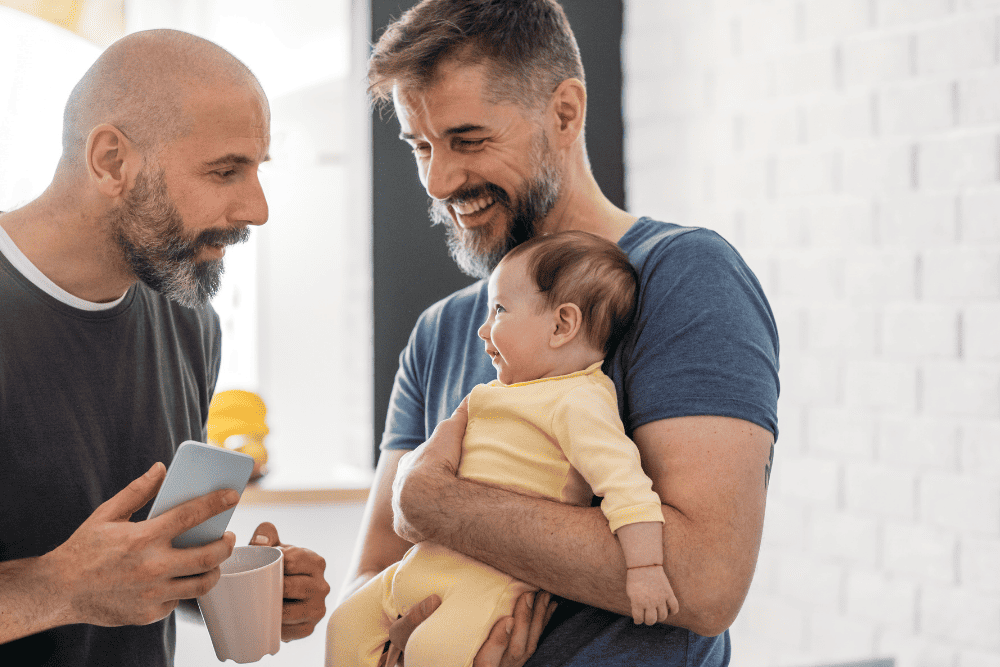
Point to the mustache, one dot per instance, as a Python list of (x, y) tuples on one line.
[(221, 237), (181, 251)]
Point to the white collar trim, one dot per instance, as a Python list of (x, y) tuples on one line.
[(21, 262)]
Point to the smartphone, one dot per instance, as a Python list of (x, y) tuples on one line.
[(198, 469)]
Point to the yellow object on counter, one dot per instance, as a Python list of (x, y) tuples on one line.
[(237, 420)]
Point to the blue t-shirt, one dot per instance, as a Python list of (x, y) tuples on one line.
[(704, 342)]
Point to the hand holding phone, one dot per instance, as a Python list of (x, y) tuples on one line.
[(198, 469), (113, 571)]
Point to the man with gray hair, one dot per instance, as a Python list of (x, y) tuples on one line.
[(109, 354), (490, 95)]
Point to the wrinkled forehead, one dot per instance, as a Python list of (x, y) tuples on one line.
[(216, 106), (454, 96), (222, 125)]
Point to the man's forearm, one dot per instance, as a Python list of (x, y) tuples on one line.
[(571, 551), (30, 600), (706, 470)]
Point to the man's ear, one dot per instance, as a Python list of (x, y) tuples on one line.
[(112, 160), (569, 103), (567, 319)]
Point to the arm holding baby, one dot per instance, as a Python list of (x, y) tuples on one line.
[(610, 462)]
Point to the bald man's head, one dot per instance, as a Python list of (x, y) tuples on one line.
[(140, 84)]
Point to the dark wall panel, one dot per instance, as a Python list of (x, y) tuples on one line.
[(411, 265)]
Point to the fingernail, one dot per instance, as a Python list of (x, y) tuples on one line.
[(531, 601), (231, 497), (260, 539), (509, 626)]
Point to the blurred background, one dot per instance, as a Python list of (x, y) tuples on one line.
[(849, 149)]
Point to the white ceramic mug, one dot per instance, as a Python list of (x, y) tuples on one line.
[(243, 610)]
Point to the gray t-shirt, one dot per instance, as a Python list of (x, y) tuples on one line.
[(89, 400), (704, 342)]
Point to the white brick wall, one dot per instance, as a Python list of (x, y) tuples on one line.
[(980, 454), (965, 616), (881, 599), (970, 506), (980, 325), (978, 564), (853, 538), (980, 219), (956, 44), (850, 149), (959, 388), (922, 552)]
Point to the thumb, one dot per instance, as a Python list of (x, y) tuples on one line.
[(400, 631), (495, 646), (266, 535), (456, 424), (462, 411), (140, 491)]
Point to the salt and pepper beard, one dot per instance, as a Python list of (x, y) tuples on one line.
[(477, 251), (149, 230)]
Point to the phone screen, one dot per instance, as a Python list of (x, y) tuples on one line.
[(198, 469)]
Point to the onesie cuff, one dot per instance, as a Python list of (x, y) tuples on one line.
[(636, 514)]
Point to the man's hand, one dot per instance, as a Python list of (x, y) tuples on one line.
[(651, 595), (400, 631), (510, 643), (305, 587), (425, 469), (513, 640), (114, 572)]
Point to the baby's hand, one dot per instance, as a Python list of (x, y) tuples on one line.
[(652, 597)]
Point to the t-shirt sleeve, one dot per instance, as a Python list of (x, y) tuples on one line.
[(441, 363), (704, 341), (405, 418), (587, 427)]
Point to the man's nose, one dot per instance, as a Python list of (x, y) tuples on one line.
[(442, 176), (254, 208)]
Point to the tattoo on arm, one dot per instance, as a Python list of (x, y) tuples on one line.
[(767, 468)]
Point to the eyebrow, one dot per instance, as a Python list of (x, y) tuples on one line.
[(234, 158), (450, 132)]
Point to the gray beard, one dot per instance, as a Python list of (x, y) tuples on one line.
[(150, 233), (477, 251)]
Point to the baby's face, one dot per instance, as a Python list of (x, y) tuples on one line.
[(519, 327)]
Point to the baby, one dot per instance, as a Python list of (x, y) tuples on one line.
[(548, 426)]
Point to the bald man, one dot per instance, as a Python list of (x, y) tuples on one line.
[(109, 354)]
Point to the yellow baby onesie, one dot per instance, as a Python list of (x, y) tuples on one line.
[(558, 438)]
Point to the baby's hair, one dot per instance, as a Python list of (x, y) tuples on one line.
[(592, 272)]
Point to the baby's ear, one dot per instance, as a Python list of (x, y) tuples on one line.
[(567, 320)]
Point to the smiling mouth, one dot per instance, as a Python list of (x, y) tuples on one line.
[(471, 207)]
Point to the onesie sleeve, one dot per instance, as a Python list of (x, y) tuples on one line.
[(587, 426)]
